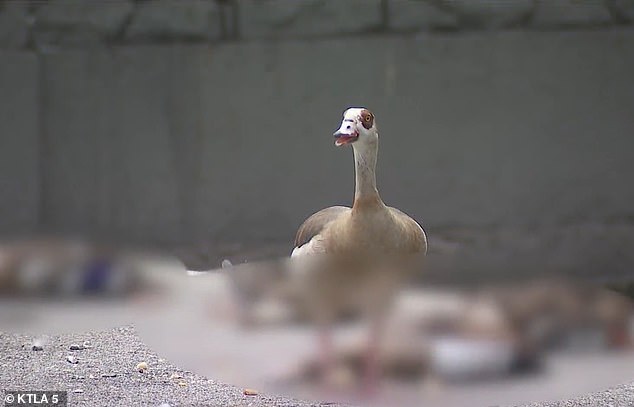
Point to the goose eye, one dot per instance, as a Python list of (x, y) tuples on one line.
[(367, 119)]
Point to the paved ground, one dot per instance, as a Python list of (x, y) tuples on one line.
[(105, 374)]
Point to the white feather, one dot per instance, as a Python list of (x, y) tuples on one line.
[(313, 246)]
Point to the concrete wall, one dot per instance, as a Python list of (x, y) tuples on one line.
[(512, 148), (19, 141), (43, 24)]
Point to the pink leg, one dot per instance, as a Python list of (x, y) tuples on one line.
[(325, 351), (372, 368)]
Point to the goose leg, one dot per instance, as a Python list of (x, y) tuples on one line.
[(325, 351), (372, 368), (618, 336)]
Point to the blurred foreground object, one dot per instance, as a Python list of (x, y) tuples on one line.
[(65, 268), (444, 335), (247, 324), (57, 285), (489, 333)]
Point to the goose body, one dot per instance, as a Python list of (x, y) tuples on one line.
[(367, 242), (344, 230)]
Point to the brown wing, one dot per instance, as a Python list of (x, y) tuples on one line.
[(417, 237), (316, 223)]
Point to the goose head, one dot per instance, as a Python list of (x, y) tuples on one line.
[(358, 126)]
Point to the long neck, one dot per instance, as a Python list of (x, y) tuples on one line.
[(365, 191)]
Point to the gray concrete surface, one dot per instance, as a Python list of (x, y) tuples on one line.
[(105, 374)]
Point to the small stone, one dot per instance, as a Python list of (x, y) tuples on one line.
[(78, 391), (161, 360), (175, 376), (109, 375), (37, 348), (76, 347), (142, 367), (72, 359), (250, 392), (91, 376), (182, 383), (86, 344)]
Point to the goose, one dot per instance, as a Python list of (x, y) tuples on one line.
[(366, 245)]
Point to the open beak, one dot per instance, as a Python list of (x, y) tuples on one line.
[(345, 135)]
